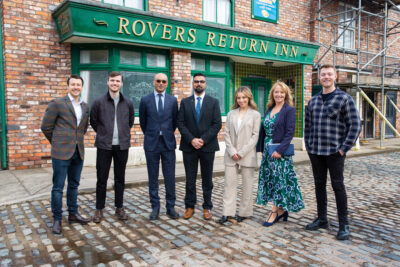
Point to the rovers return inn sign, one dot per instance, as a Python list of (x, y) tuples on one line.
[(79, 21)]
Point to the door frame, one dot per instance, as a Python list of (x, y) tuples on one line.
[(255, 82), (388, 132)]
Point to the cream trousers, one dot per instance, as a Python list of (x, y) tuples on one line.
[(230, 191)]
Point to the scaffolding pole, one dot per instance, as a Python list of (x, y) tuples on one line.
[(365, 10)]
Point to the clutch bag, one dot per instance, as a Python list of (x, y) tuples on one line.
[(289, 151)]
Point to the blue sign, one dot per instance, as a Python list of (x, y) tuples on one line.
[(267, 10)]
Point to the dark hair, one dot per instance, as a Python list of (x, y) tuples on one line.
[(74, 76), (199, 74), (115, 74), (327, 66)]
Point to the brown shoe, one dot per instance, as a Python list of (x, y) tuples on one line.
[(207, 214), (98, 216), (188, 213), (77, 218), (121, 215), (56, 227)]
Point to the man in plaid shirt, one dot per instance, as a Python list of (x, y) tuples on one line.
[(332, 126)]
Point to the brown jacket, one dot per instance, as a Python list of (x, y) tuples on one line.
[(59, 127)]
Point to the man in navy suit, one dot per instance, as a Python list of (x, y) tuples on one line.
[(158, 114), (199, 121)]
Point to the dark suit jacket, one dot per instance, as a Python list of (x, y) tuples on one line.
[(59, 127), (284, 127), (209, 124), (152, 124)]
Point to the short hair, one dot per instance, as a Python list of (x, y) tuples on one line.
[(247, 92), (74, 76), (327, 66), (285, 88), (115, 74), (199, 74)]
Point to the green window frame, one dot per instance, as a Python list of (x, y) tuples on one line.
[(210, 73), (231, 15), (143, 69), (145, 4)]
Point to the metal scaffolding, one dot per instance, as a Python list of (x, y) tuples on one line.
[(370, 21)]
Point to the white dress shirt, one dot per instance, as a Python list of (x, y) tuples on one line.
[(77, 109)]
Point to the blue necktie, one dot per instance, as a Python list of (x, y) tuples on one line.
[(198, 108), (160, 105)]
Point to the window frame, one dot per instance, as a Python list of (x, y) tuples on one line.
[(232, 14), (208, 73), (145, 5), (114, 64), (342, 25)]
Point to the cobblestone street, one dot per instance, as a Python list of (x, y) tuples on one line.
[(374, 205)]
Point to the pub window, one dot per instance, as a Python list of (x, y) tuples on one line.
[(137, 65), (346, 17), (137, 4), (217, 76), (218, 11)]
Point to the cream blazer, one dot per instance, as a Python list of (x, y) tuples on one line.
[(242, 141)]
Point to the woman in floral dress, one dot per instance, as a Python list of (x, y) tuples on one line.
[(277, 179)]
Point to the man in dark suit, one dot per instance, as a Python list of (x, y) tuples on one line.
[(199, 121), (64, 125), (158, 113)]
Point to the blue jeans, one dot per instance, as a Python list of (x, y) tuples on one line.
[(61, 168)]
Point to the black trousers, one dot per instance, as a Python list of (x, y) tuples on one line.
[(335, 164), (191, 163), (103, 164)]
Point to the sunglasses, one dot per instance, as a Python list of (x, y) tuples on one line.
[(202, 81), (161, 81)]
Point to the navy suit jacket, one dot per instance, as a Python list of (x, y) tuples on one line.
[(284, 127), (209, 125), (151, 123)]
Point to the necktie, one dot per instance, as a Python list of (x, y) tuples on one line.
[(198, 108), (160, 105)]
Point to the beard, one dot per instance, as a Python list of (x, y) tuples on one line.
[(199, 90)]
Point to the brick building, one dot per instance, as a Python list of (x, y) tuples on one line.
[(234, 42)]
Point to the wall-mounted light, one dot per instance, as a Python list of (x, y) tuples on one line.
[(268, 63)]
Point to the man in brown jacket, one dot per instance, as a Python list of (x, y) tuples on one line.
[(64, 124)]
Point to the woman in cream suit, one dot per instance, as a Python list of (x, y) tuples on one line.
[(241, 135)]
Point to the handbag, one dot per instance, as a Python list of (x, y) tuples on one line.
[(289, 151)]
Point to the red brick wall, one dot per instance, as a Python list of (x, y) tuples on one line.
[(35, 68)]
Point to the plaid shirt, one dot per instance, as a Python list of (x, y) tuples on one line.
[(331, 125)]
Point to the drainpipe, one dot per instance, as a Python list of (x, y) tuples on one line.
[(2, 98)]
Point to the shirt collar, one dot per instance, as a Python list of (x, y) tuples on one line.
[(202, 96), (156, 93), (73, 100)]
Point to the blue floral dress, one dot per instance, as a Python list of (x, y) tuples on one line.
[(277, 181)]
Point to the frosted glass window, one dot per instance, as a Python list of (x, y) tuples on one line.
[(217, 66), (129, 57), (156, 60), (93, 56), (198, 64)]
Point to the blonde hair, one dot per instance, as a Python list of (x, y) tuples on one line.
[(247, 92), (285, 88)]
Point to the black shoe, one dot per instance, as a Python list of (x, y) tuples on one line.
[(154, 214), (224, 219), (56, 227), (172, 214), (344, 232), (317, 224), (240, 218)]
